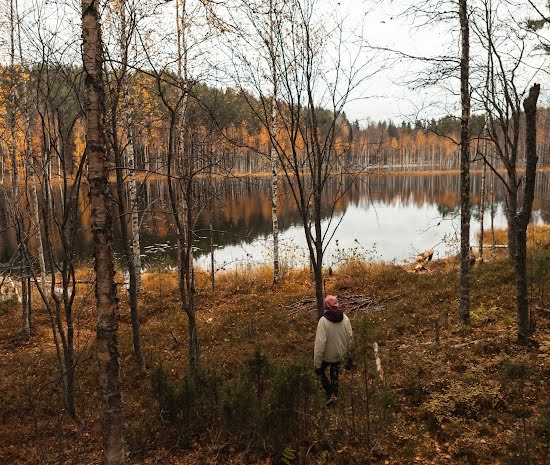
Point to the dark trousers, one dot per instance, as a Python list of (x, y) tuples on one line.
[(330, 386)]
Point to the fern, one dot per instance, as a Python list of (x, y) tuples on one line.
[(288, 455)]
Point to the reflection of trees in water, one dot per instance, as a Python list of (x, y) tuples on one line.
[(243, 211)]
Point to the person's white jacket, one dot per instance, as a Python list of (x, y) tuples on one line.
[(332, 341)]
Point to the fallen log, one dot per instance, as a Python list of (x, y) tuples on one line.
[(469, 343), (542, 309), (447, 345)]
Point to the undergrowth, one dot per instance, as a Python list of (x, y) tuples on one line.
[(447, 393)]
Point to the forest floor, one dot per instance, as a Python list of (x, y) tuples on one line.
[(450, 394)]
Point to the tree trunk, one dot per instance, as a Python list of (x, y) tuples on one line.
[(482, 209), (25, 307), (274, 217), (511, 216), (131, 249), (272, 152), (132, 186), (185, 169), (132, 191), (211, 239), (492, 197), (12, 122), (524, 216), (102, 225), (464, 165), (319, 294), (190, 269), (128, 253), (29, 302), (36, 219)]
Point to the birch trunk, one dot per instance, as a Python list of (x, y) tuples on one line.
[(482, 208), (464, 165), (130, 152), (31, 172), (132, 191), (131, 248), (36, 219), (102, 225), (12, 122), (492, 197), (272, 152), (274, 202), (211, 239), (379, 369), (185, 167)]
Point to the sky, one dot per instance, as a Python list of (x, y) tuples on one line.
[(387, 95), (377, 23)]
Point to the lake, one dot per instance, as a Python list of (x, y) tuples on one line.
[(381, 217)]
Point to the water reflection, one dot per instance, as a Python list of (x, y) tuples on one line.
[(382, 217)]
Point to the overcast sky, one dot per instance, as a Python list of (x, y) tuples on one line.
[(380, 23), (387, 96)]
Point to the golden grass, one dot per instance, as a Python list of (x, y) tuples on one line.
[(247, 310)]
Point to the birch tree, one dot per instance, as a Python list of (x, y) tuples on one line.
[(14, 198), (122, 143), (441, 68), (56, 101), (102, 225), (272, 152), (309, 107), (464, 163)]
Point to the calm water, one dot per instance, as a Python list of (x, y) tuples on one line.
[(383, 218)]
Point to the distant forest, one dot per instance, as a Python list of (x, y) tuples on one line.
[(226, 123)]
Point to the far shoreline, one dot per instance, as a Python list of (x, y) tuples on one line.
[(142, 175)]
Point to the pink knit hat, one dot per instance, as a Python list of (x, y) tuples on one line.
[(331, 302)]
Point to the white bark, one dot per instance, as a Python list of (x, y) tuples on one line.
[(482, 209), (274, 203), (102, 228), (130, 153), (132, 191), (379, 369), (272, 152)]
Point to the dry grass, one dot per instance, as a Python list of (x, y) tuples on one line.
[(246, 311)]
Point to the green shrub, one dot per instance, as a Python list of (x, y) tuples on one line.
[(239, 408), (257, 372), (243, 400), (192, 406), (163, 391), (462, 399), (289, 401), (416, 373), (387, 402), (513, 371)]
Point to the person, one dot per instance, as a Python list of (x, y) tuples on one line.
[(333, 342)]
